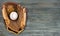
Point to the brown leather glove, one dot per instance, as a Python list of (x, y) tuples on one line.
[(18, 25)]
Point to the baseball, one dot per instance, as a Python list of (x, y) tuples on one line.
[(13, 15)]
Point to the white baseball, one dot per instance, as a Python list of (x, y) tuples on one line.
[(13, 15)]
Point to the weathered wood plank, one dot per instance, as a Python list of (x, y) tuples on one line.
[(43, 18)]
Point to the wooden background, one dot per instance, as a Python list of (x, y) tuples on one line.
[(43, 18)]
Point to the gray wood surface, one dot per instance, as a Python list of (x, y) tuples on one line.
[(43, 18)]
